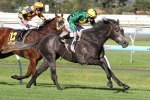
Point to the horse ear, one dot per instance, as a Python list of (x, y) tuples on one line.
[(62, 15), (118, 21), (56, 15), (105, 20)]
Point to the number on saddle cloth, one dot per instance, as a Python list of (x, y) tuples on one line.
[(14, 35)]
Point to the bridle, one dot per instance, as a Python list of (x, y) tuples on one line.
[(114, 27), (59, 21)]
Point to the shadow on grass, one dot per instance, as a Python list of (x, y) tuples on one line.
[(5, 83), (94, 88), (68, 86)]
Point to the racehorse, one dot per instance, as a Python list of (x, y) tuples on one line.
[(88, 50), (49, 26)]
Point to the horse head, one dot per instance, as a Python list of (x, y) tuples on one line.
[(60, 22), (55, 24), (116, 32)]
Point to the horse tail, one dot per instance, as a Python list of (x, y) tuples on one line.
[(19, 46)]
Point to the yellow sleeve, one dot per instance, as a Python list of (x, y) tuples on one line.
[(21, 13), (41, 17)]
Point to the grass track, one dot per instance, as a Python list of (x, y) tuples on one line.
[(77, 84)]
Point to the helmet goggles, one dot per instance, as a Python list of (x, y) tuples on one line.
[(39, 9)]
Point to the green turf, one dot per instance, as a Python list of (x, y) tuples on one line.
[(77, 84)]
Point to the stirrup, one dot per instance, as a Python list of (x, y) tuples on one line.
[(19, 39), (62, 40)]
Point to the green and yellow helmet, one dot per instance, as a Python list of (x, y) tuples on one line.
[(91, 13), (38, 5)]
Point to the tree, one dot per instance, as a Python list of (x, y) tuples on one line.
[(142, 5), (6, 6)]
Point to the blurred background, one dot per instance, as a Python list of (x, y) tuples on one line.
[(68, 6)]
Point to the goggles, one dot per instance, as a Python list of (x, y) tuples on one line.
[(92, 18), (39, 9)]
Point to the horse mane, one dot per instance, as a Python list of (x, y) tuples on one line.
[(96, 26), (45, 23), (99, 25)]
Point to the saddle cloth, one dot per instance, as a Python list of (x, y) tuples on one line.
[(14, 34)]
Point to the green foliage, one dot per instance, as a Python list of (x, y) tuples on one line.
[(119, 10), (142, 4), (6, 5), (69, 6)]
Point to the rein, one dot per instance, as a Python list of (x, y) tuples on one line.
[(52, 28), (108, 33), (40, 32), (48, 28), (105, 36)]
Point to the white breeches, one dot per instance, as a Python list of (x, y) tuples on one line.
[(31, 24), (77, 28)]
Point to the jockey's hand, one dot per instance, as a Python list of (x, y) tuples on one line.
[(24, 22), (74, 34)]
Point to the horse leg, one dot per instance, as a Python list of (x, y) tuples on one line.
[(31, 70), (109, 73), (109, 84), (102, 59), (51, 57), (105, 68), (53, 75), (118, 81), (41, 69), (94, 61)]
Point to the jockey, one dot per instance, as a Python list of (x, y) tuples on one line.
[(26, 14), (74, 22)]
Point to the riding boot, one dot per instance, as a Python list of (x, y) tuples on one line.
[(20, 37), (64, 35)]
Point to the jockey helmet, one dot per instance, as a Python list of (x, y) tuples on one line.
[(38, 6), (91, 13)]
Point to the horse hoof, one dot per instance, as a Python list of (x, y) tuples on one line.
[(59, 88), (126, 87), (14, 76), (110, 85), (27, 86)]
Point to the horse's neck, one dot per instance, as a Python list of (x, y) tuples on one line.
[(49, 29), (95, 38), (88, 36)]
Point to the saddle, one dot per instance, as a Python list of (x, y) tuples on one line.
[(67, 43), (14, 35), (66, 40)]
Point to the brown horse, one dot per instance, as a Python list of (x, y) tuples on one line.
[(49, 26)]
